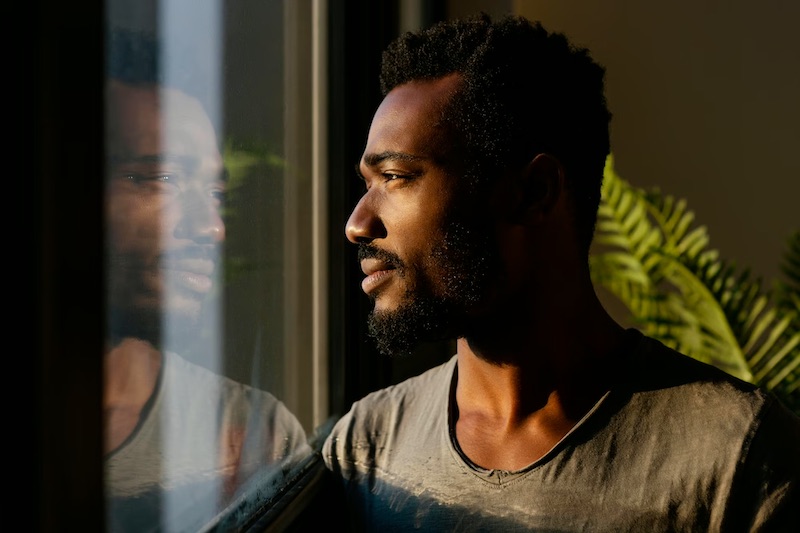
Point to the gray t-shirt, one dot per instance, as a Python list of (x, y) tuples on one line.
[(201, 439), (675, 445)]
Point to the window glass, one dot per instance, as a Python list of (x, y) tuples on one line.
[(213, 311)]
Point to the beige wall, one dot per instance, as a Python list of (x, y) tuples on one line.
[(705, 102)]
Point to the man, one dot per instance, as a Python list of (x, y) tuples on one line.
[(483, 168), (181, 440)]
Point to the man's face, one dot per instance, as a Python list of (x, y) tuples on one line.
[(426, 251), (163, 200)]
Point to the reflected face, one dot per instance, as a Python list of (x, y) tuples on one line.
[(163, 200), (424, 248)]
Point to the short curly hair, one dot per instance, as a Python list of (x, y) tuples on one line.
[(525, 91)]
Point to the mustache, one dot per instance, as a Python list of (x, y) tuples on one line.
[(166, 258), (370, 251)]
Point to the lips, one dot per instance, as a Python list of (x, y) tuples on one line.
[(377, 271), (193, 274), (199, 283)]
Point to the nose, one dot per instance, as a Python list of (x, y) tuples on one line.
[(201, 219), (364, 224)]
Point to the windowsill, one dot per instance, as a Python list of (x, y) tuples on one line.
[(285, 509)]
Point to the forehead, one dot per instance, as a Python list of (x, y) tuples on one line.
[(409, 119), (154, 120)]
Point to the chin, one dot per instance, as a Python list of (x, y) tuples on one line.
[(183, 311), (397, 330), (383, 306)]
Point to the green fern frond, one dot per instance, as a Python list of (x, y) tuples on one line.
[(658, 262), (716, 343), (626, 236), (250, 165), (622, 219)]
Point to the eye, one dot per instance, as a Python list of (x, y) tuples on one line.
[(158, 177), (154, 183), (394, 176), (218, 193)]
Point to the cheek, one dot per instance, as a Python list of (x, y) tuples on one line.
[(423, 212), (416, 220), (467, 254), (418, 233), (134, 224)]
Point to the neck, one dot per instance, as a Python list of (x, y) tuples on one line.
[(131, 369), (564, 350), (526, 379)]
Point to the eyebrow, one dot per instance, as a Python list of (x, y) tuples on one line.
[(373, 160), (149, 158)]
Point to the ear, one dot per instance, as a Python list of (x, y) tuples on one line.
[(540, 185)]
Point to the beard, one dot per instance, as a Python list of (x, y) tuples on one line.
[(435, 309), (143, 303)]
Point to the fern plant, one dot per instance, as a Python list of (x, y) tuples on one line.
[(658, 262)]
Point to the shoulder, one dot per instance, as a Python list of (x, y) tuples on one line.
[(432, 382), (655, 367), (678, 422), (393, 413), (214, 386), (669, 391), (431, 386), (229, 401)]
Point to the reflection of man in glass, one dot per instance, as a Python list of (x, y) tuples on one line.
[(179, 439), (164, 195)]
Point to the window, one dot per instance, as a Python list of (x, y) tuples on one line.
[(215, 313), (194, 161)]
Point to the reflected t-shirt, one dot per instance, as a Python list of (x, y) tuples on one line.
[(676, 445), (201, 437)]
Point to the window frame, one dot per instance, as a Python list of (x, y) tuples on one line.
[(69, 238)]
